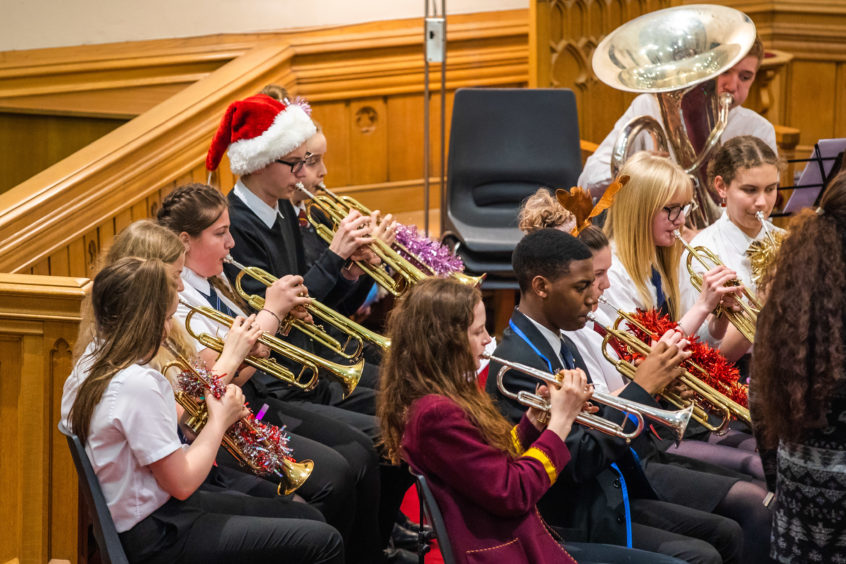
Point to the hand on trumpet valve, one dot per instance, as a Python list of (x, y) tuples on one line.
[(385, 228), (718, 284), (241, 338), (229, 408), (662, 365), (286, 295), (567, 400), (681, 390), (353, 232)]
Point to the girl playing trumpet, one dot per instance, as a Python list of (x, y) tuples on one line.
[(124, 414)]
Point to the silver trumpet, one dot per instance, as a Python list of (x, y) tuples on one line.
[(676, 420)]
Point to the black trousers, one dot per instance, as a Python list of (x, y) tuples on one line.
[(689, 534), (345, 484), (213, 527), (596, 553)]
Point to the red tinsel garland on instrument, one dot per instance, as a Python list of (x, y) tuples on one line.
[(263, 445), (720, 374)]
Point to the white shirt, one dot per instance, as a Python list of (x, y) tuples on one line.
[(623, 293), (552, 338), (604, 375), (195, 284), (597, 172), (264, 212), (133, 426), (729, 243)]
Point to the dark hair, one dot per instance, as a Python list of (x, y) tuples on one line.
[(745, 151), (797, 364), (757, 51), (191, 208), (594, 237), (130, 299), (547, 253)]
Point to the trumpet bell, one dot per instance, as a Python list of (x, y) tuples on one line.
[(672, 49), (295, 474)]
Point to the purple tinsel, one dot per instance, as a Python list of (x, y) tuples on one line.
[(433, 254)]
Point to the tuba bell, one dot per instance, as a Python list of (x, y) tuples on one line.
[(676, 54)]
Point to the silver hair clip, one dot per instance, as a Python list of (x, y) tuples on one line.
[(820, 211)]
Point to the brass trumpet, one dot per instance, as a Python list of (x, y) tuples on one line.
[(351, 203), (744, 320), (348, 375), (356, 333), (293, 474), (676, 420), (709, 398), (408, 271)]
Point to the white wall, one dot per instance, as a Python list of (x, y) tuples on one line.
[(32, 24)]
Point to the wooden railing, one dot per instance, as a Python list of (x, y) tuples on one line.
[(39, 317), (365, 84)]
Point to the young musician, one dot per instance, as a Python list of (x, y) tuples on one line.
[(486, 475), (125, 415), (650, 206), (596, 175), (797, 386), (745, 173), (346, 463), (541, 210), (608, 498)]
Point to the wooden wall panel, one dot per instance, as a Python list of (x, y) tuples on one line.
[(365, 86), (39, 318)]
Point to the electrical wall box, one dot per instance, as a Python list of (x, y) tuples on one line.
[(435, 30)]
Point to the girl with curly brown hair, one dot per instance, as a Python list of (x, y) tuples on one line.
[(797, 391)]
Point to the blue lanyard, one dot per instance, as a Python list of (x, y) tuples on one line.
[(523, 336)]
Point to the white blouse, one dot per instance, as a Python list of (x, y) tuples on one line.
[(133, 426), (195, 292)]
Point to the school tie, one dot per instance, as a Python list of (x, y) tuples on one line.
[(301, 217), (659, 291), (567, 356), (217, 303)]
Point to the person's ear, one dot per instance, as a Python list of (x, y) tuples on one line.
[(540, 286), (720, 186), (186, 240)]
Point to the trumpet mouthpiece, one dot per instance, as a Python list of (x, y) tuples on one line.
[(677, 234), (299, 186), (760, 215)]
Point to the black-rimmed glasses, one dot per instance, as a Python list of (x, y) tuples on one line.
[(307, 160), (675, 210)]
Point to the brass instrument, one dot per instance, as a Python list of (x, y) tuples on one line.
[(355, 332), (293, 474), (352, 204), (408, 271), (677, 420), (348, 375), (676, 54), (762, 252), (744, 320), (709, 399)]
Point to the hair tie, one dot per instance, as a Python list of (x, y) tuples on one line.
[(819, 210)]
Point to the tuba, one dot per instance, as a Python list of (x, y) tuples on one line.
[(306, 379), (676, 54), (744, 320), (677, 420), (711, 396), (262, 447), (356, 333)]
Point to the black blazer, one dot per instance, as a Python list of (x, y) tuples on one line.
[(587, 500)]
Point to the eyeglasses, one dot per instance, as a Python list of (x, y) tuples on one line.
[(307, 160), (675, 210)]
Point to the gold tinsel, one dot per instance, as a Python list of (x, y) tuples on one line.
[(762, 254)]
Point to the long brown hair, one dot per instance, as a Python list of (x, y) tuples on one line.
[(131, 299), (191, 209), (800, 344), (430, 354), (143, 239)]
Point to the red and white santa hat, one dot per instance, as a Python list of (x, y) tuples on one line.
[(257, 131)]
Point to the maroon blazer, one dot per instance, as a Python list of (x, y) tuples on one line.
[(487, 498)]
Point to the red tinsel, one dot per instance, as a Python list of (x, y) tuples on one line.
[(262, 446), (718, 373)]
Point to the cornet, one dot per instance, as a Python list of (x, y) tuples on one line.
[(356, 333), (257, 445), (349, 375), (744, 320), (408, 268), (677, 420), (709, 399)]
